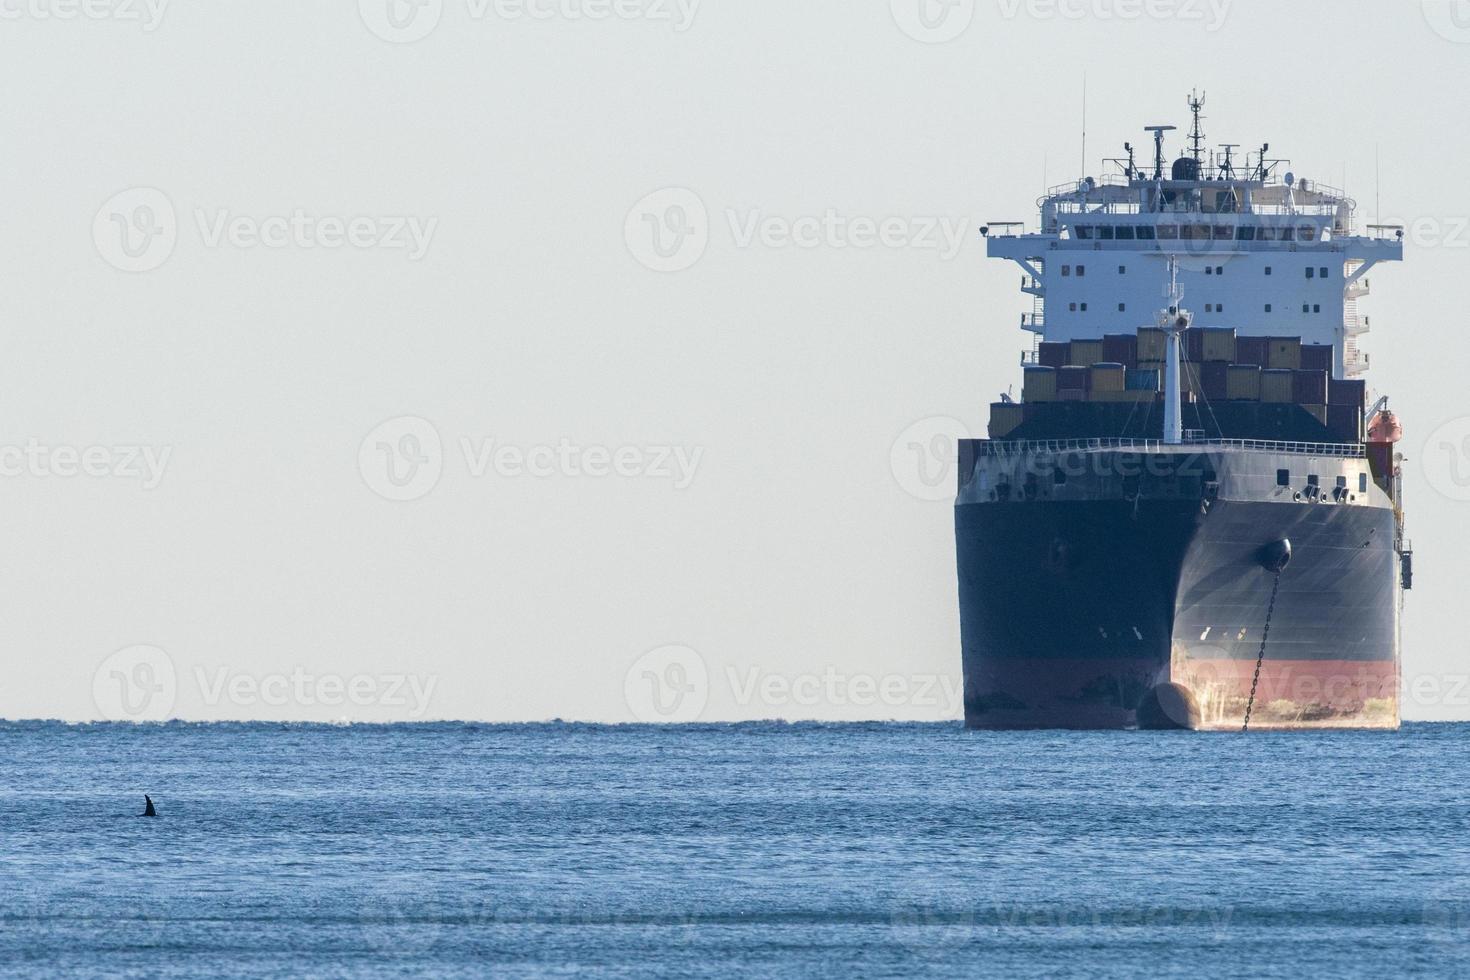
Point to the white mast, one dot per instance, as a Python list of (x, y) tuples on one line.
[(1173, 320)]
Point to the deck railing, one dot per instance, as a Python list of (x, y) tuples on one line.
[(992, 447)]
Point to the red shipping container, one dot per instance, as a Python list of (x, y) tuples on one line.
[(1051, 354), (1309, 387), (1252, 350), (1316, 357), (1354, 393)]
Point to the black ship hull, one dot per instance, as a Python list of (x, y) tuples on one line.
[(1075, 605)]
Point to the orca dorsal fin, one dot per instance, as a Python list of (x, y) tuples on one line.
[(148, 811)]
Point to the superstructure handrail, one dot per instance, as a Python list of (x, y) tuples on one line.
[(1001, 447)]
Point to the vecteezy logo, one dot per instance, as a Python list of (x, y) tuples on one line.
[(401, 21), (925, 457), (136, 230), (667, 685), (1450, 19), (402, 459), (136, 684), (1446, 458), (933, 21), (668, 230)]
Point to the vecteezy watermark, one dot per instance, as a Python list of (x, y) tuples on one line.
[(1212, 14), (148, 13), (1446, 459), (137, 683), (145, 464), (670, 230), (403, 458), (673, 684), (838, 689), (932, 21), (406, 21), (306, 690), (924, 458), (667, 685), (136, 230), (1450, 19), (141, 683)]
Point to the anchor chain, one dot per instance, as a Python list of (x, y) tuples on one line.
[(1275, 586)]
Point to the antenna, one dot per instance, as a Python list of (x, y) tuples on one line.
[(1197, 134), (1159, 132), (1227, 165), (1377, 187), (1084, 124)]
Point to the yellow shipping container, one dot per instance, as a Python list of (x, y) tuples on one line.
[(1276, 386), (1107, 377), (1150, 344), (1243, 383), (1284, 353), (1219, 344), (1039, 384), (1085, 352), (1005, 418)]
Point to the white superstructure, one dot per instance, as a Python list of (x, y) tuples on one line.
[(1269, 255)]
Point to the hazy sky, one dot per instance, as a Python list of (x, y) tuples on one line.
[(473, 360)]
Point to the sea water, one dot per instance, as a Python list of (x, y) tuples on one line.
[(759, 850)]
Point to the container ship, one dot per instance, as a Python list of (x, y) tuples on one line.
[(1193, 516)]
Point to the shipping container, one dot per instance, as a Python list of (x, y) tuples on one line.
[(1219, 344), (1039, 384), (1243, 383), (1213, 376), (1354, 393), (1108, 377), (1193, 348), (1005, 418), (1284, 353), (1121, 348), (1073, 378), (1345, 422), (1253, 350), (1150, 345), (1123, 396), (1052, 354), (1086, 352), (1142, 379), (1309, 387), (1317, 357), (1276, 385)]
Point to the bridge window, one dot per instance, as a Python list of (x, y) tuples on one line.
[(1195, 232), (1082, 270), (1084, 307), (1268, 270), (1072, 308), (1105, 232), (1209, 270), (1125, 231), (1316, 307), (1122, 270), (1311, 272), (1146, 232), (1268, 307), (1245, 234), (1224, 233), (1324, 272), (1168, 231), (1083, 232), (1066, 270), (1122, 307)]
